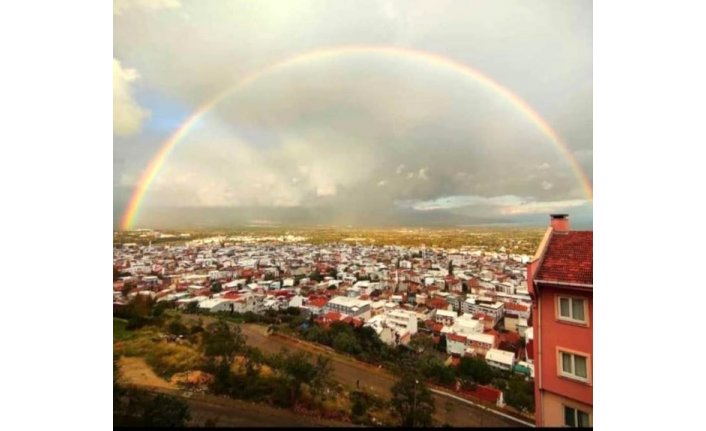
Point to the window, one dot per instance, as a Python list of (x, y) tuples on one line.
[(574, 366), (572, 309), (576, 418)]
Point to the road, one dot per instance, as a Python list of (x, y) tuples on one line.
[(450, 409)]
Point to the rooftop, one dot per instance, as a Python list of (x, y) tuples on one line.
[(568, 258)]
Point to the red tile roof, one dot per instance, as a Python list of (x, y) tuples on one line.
[(318, 302), (332, 316), (456, 337), (568, 258), (515, 307)]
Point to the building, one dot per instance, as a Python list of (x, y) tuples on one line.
[(480, 344), (216, 305), (445, 317), (350, 306), (402, 321), (500, 359), (486, 306), (560, 281)]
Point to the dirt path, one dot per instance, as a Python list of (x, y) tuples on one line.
[(226, 412), (135, 371)]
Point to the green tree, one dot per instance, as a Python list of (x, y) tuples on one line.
[(421, 343), (216, 287), (413, 401), (346, 342), (520, 394), (175, 327), (441, 345), (475, 370), (167, 411), (221, 341)]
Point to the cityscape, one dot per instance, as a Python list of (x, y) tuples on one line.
[(468, 318), (352, 214)]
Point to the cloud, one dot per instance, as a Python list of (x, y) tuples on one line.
[(128, 116), (344, 137), (496, 205), (449, 202), (545, 207), (119, 6)]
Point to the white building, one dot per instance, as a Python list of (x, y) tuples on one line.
[(349, 306), (466, 324), (500, 359), (402, 321), (445, 317), (496, 310), (216, 305)]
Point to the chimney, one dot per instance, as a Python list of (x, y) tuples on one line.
[(560, 222)]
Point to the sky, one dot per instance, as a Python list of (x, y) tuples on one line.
[(362, 138)]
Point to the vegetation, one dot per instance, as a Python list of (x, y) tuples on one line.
[(413, 401), (169, 346), (520, 394), (138, 407), (475, 370)]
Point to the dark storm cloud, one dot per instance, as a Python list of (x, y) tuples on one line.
[(361, 139)]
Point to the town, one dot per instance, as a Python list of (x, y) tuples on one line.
[(470, 304), (477, 300)]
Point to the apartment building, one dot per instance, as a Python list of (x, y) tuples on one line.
[(560, 281)]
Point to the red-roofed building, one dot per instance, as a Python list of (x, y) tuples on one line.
[(231, 295), (328, 318), (560, 282), (484, 393)]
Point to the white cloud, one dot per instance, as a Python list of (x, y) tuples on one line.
[(127, 114), (460, 201), (410, 175), (119, 6), (543, 167), (505, 204), (544, 207), (423, 174), (399, 170), (546, 185), (382, 183), (326, 189)]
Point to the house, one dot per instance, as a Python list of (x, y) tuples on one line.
[(485, 305), (480, 344), (560, 281), (402, 321), (466, 324), (445, 317), (215, 305), (500, 359), (516, 313), (350, 306), (455, 344)]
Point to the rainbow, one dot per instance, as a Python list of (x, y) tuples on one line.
[(154, 166)]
